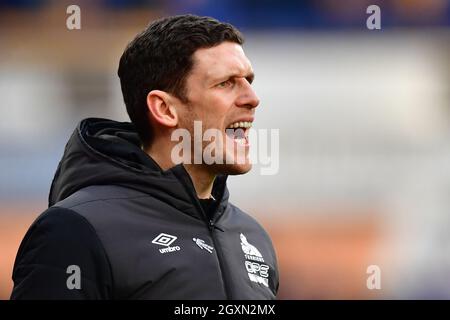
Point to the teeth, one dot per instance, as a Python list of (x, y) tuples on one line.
[(242, 124)]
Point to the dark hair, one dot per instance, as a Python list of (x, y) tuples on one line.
[(160, 58)]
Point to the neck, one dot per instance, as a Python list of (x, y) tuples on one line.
[(201, 177), (158, 151)]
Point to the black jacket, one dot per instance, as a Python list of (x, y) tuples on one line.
[(135, 231)]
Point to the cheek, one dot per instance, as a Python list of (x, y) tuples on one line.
[(213, 121), (215, 118), (186, 119), (213, 110)]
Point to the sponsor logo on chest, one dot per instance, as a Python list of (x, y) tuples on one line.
[(257, 272)]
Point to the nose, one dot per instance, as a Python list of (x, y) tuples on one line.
[(247, 96)]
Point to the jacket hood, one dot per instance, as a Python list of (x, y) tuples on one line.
[(107, 152)]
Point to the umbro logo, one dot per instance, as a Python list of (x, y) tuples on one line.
[(164, 239)]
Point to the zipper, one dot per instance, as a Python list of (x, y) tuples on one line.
[(186, 180), (211, 226), (220, 258)]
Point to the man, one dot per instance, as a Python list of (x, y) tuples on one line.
[(126, 219)]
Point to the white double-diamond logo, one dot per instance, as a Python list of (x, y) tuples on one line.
[(164, 239)]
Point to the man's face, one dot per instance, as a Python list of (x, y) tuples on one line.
[(220, 95)]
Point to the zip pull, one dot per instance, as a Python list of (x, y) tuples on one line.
[(212, 225)]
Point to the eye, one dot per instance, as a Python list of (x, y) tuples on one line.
[(225, 84)]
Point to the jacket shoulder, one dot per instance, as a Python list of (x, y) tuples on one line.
[(248, 221), (98, 193), (59, 241)]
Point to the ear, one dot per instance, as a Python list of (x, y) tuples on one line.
[(161, 108)]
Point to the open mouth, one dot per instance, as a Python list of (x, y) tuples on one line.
[(238, 131)]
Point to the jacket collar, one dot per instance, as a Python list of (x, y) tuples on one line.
[(107, 152)]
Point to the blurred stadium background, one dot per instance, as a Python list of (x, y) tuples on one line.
[(364, 123)]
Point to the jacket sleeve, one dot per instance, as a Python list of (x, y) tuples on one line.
[(61, 257)]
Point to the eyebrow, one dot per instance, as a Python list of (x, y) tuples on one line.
[(250, 77)]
